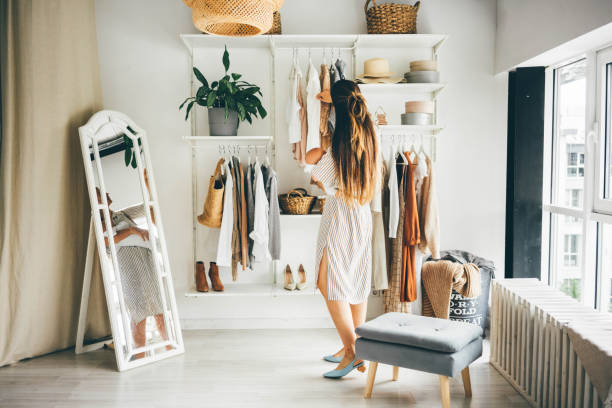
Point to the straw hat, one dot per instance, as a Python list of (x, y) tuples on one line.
[(376, 70)]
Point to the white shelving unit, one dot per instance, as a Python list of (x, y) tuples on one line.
[(227, 139), (410, 129), (274, 47), (237, 289), (299, 217), (433, 41), (404, 88)]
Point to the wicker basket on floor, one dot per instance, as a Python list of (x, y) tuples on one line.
[(391, 18), (296, 202)]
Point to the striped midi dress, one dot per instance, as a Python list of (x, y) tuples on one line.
[(345, 235)]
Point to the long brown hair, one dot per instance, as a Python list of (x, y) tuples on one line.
[(354, 147)]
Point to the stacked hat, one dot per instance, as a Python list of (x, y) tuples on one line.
[(376, 71), (423, 72), (418, 113)]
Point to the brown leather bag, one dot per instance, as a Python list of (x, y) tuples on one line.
[(213, 205)]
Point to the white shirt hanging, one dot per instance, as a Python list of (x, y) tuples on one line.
[(293, 107), (260, 234), (224, 246), (313, 107)]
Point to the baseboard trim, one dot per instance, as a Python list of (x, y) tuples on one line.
[(264, 323)]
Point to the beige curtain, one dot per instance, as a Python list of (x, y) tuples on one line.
[(50, 85)]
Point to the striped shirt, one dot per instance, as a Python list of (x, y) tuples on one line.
[(346, 233)]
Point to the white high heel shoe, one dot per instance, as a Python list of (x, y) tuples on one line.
[(289, 282), (301, 285)]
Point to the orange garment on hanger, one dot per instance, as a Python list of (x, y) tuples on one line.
[(411, 237), (299, 148)]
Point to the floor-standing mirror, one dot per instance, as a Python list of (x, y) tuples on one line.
[(127, 227)]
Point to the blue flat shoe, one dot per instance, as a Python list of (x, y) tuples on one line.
[(332, 359), (344, 371)]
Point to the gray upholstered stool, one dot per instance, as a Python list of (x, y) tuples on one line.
[(437, 346)]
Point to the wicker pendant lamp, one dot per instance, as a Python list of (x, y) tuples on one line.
[(234, 18)]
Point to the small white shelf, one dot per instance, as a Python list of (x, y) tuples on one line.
[(403, 87), (192, 41), (247, 289), (305, 216), (227, 139), (389, 129)]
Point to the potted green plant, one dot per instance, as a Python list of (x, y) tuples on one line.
[(229, 101)]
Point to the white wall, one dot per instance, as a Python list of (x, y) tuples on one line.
[(527, 28), (145, 73)]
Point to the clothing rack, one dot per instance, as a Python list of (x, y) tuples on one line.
[(402, 139), (276, 50), (225, 145)]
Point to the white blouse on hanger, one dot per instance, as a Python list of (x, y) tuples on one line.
[(293, 107), (260, 233), (313, 107), (224, 246)]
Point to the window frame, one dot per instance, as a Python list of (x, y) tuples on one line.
[(590, 215), (603, 58)]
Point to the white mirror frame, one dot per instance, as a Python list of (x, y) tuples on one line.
[(94, 132)]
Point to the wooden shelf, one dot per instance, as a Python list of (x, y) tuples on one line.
[(256, 289), (403, 87), (432, 129), (271, 42)]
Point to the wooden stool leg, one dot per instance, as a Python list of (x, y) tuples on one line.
[(371, 378), (444, 391), (395, 373), (467, 384)]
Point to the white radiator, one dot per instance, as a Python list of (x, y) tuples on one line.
[(531, 348)]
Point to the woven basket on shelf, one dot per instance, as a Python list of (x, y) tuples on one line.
[(321, 202), (234, 18), (391, 18), (276, 24), (296, 202)]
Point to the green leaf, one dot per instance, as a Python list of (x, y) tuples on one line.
[(236, 76), (200, 77), (202, 92), (214, 84), (252, 90), (184, 102), (211, 98), (189, 109), (134, 164), (226, 62), (241, 110), (262, 111), (127, 156)]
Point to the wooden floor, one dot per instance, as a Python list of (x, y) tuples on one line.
[(230, 368)]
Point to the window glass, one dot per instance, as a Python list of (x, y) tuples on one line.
[(606, 268), (569, 134), (566, 254), (608, 137)]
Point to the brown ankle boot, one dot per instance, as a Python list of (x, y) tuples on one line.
[(215, 280), (200, 277)]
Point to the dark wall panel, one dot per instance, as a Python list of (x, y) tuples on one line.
[(524, 173)]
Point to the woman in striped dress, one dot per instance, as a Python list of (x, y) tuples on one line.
[(348, 173)]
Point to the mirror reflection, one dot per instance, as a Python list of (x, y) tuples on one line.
[(135, 247)]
